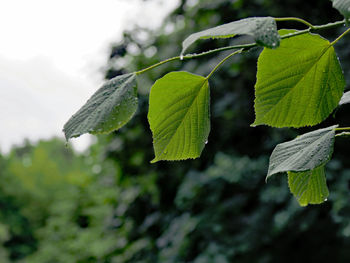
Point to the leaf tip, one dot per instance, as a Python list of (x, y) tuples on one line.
[(255, 123), (154, 160)]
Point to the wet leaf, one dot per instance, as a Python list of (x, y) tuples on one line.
[(263, 29), (304, 153), (107, 110), (345, 99)]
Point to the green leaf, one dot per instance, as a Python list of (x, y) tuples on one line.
[(263, 29), (309, 187), (304, 153), (107, 110), (179, 116), (298, 84), (345, 99), (343, 6)]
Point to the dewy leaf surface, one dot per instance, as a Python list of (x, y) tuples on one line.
[(304, 153), (343, 6), (309, 187), (298, 84), (179, 116), (263, 29), (345, 99), (107, 110)]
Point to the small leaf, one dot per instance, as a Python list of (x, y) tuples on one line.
[(298, 84), (304, 153), (107, 110), (345, 99), (179, 116), (263, 29), (309, 187), (343, 6)]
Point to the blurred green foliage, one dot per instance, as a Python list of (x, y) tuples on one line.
[(111, 205)]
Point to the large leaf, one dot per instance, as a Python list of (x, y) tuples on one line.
[(304, 153), (107, 110), (309, 187), (298, 84), (343, 6), (263, 29), (179, 116)]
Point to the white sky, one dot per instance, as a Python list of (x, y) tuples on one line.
[(50, 55)]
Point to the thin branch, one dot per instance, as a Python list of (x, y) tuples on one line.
[(248, 46)]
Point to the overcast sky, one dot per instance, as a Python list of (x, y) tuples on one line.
[(50, 55)]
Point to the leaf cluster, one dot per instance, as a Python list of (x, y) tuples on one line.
[(300, 82)]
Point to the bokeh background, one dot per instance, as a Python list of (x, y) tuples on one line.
[(109, 204)]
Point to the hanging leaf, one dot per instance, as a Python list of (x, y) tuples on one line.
[(298, 84), (309, 187), (179, 116), (263, 29), (345, 99), (107, 110), (343, 6), (304, 153)]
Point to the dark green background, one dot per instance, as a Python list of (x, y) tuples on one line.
[(111, 205)]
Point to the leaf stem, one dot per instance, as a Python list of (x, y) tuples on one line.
[(156, 65), (340, 37), (300, 32), (243, 46), (280, 19), (342, 134), (343, 129), (223, 61), (330, 25)]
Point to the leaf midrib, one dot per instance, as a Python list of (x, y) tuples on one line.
[(172, 136), (296, 84)]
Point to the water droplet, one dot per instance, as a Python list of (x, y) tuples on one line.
[(325, 199), (181, 57), (206, 142)]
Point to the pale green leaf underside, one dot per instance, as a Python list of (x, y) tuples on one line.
[(298, 84), (343, 6), (309, 187), (345, 99), (263, 29), (107, 110), (304, 153), (179, 116)]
